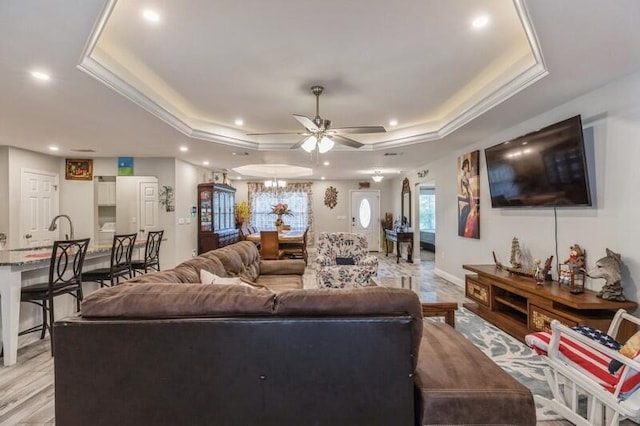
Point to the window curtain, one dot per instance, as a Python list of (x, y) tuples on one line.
[(298, 196)]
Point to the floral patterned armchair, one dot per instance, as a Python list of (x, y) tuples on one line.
[(343, 260)]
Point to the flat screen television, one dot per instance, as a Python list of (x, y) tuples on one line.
[(545, 168)]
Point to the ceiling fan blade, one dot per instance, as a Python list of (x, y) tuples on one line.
[(306, 122), (361, 129), (277, 133), (299, 143), (346, 141)]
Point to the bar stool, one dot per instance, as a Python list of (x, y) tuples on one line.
[(119, 265), (151, 254), (65, 277)]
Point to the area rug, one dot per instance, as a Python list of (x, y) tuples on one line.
[(514, 357)]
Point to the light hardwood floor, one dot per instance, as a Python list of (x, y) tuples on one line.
[(27, 388)]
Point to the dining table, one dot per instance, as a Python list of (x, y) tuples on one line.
[(290, 236)]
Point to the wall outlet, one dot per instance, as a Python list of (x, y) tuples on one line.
[(194, 253)]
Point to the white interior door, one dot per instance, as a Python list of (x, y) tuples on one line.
[(365, 216), (39, 204), (148, 214)]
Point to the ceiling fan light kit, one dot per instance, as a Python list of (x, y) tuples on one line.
[(319, 136)]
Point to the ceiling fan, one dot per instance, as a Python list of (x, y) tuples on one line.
[(319, 134)]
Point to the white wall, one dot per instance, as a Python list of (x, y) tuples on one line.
[(187, 179), (4, 191), (611, 117)]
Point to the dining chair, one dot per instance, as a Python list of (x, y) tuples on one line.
[(65, 277), (296, 250), (151, 258), (269, 245), (119, 264)]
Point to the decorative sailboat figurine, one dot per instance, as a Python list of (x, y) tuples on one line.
[(516, 255)]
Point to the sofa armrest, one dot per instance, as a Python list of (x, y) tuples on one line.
[(324, 260), (368, 261), (282, 267)]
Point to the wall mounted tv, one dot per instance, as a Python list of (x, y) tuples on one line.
[(546, 168)]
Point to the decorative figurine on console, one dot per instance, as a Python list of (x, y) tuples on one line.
[(609, 268), (572, 270)]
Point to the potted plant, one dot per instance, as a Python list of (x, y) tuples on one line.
[(242, 213)]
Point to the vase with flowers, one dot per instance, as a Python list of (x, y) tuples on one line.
[(242, 213), (280, 209)]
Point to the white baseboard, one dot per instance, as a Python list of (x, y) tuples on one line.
[(447, 276)]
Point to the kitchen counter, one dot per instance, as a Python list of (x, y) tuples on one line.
[(13, 263), (36, 255)]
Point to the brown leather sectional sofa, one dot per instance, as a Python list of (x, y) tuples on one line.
[(176, 352)]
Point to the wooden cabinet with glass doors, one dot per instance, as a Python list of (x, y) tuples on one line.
[(216, 220)]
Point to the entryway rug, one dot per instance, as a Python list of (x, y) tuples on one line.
[(514, 357)]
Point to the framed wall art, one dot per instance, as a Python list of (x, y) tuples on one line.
[(125, 166), (78, 169), (469, 195), (331, 197)]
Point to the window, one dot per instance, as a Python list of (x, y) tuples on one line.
[(263, 202), (428, 209), (365, 213)]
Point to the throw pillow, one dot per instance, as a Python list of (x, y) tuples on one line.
[(207, 277), (630, 350), (345, 261)]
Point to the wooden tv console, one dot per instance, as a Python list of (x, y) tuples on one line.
[(518, 306)]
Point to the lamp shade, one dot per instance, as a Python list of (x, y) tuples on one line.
[(325, 145), (310, 144)]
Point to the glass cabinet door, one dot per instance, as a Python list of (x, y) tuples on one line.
[(205, 210)]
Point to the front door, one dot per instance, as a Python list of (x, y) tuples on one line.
[(39, 204), (365, 216)]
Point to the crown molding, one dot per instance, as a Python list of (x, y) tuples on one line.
[(181, 122)]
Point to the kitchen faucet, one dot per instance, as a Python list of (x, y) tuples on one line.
[(53, 226)]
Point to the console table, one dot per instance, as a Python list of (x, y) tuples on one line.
[(399, 237), (517, 305)]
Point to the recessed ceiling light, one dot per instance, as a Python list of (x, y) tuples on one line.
[(53, 148), (150, 15), (40, 75), (322, 178), (480, 22), (184, 149), (205, 163), (326, 163), (393, 122), (239, 121), (239, 178)]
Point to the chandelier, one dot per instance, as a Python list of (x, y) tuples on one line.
[(275, 186), (275, 183), (377, 176)]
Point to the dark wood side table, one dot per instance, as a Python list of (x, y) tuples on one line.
[(399, 237), (432, 305)]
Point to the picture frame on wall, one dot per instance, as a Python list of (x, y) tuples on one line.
[(469, 195), (78, 169), (125, 166)]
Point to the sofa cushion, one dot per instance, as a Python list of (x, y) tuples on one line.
[(282, 267), (230, 259), (170, 300), (207, 261), (167, 276), (458, 384), (280, 283), (355, 301)]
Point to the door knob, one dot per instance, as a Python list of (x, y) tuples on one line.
[(27, 236)]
